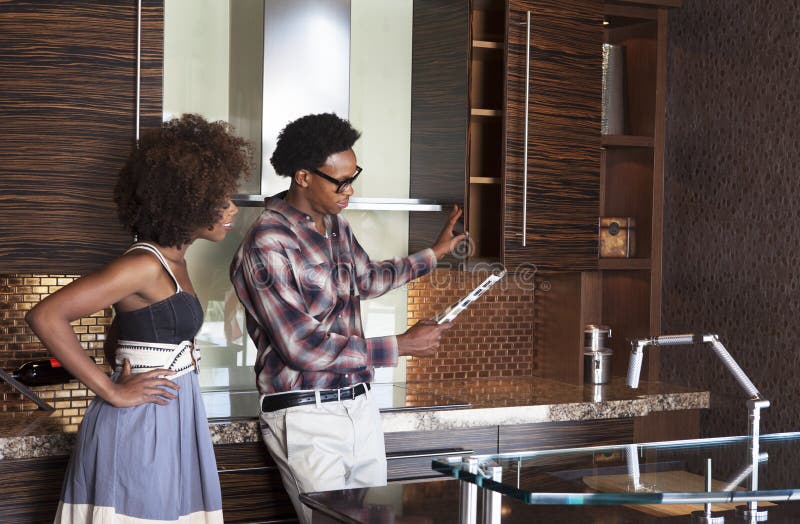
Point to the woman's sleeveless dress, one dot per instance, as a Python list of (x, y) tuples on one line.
[(149, 463)]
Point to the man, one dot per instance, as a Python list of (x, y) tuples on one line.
[(300, 274)]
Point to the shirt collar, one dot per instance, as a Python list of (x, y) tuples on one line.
[(278, 204)]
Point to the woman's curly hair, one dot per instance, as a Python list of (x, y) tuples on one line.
[(308, 141), (178, 178)]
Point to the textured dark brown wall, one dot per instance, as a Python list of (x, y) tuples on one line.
[(731, 238)]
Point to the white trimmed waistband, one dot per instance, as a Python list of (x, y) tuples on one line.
[(147, 356)]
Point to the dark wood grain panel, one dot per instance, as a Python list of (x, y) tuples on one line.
[(255, 495), (667, 425), (401, 448), (243, 456), (626, 308), (659, 152), (629, 192), (563, 134), (558, 331), (30, 489), (439, 110), (252, 490), (554, 435), (67, 118), (439, 105)]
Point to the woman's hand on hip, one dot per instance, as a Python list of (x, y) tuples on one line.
[(142, 388)]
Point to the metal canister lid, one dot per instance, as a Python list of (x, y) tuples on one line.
[(597, 328), (595, 337)]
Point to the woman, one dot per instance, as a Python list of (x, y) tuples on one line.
[(144, 451)]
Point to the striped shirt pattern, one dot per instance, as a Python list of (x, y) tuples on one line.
[(302, 296)]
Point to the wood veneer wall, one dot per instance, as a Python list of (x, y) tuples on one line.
[(67, 122)]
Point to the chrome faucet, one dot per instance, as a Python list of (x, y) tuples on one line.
[(755, 402)]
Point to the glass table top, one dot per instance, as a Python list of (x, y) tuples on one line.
[(716, 470)]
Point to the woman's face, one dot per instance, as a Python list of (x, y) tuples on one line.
[(222, 226)]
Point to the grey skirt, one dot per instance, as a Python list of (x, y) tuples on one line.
[(146, 464)]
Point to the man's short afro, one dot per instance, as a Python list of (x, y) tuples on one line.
[(308, 141)]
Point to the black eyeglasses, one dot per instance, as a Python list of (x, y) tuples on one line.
[(341, 185)]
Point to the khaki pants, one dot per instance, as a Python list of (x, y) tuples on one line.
[(326, 446)]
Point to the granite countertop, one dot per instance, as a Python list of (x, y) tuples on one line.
[(404, 407)]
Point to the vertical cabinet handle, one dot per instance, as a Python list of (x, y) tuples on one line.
[(525, 139), (138, 65)]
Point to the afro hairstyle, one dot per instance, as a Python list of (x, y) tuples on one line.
[(308, 141), (179, 178)]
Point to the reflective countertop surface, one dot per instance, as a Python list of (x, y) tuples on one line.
[(244, 404)]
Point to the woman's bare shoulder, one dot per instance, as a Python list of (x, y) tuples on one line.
[(138, 265)]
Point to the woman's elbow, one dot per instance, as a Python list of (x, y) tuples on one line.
[(34, 318)]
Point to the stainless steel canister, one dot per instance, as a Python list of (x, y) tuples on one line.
[(597, 366)]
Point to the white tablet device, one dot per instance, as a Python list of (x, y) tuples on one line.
[(453, 311)]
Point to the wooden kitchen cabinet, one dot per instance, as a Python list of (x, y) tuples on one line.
[(560, 435), (623, 293), (409, 453), (628, 292), (506, 120), (252, 490), (30, 489), (68, 98)]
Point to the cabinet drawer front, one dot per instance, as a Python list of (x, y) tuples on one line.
[(409, 454), (553, 435)]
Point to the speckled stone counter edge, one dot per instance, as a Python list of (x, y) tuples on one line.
[(237, 432)]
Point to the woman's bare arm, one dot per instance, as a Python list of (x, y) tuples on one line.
[(51, 318)]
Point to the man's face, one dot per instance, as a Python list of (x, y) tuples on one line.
[(322, 193)]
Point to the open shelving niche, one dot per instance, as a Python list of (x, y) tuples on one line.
[(624, 293), (484, 180)]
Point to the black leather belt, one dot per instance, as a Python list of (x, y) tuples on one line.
[(288, 400)]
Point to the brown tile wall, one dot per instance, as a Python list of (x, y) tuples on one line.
[(731, 220), (492, 338), (18, 294)]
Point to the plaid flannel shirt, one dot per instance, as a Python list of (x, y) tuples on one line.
[(302, 291)]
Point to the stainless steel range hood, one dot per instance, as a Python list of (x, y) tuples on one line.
[(309, 39), (371, 204)]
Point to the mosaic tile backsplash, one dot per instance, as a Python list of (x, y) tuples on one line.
[(493, 338), (18, 294)]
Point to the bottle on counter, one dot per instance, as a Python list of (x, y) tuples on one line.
[(42, 372)]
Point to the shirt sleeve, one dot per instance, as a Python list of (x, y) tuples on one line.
[(266, 286), (375, 279)]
